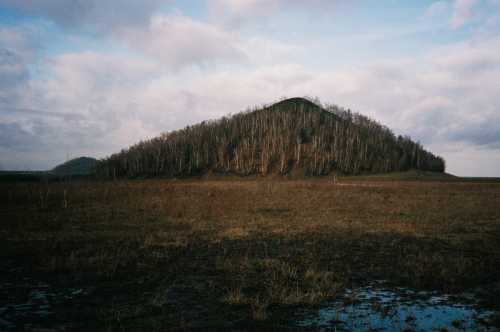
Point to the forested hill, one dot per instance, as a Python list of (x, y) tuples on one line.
[(293, 136), (77, 166)]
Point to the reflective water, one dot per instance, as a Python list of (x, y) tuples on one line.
[(29, 306), (374, 308)]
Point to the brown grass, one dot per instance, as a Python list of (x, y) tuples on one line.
[(192, 254)]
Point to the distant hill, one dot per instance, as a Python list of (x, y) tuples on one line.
[(292, 137), (77, 166), (23, 176)]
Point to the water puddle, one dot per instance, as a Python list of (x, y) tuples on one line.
[(29, 306), (374, 308)]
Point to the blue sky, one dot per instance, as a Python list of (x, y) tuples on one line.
[(92, 77)]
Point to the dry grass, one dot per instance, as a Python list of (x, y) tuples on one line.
[(233, 250)]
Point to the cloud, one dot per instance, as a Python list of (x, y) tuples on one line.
[(437, 9), (470, 160), (80, 107), (177, 41), (13, 135), (178, 70), (238, 9), (239, 12), (457, 13), (265, 7), (100, 15), (19, 49), (448, 96), (96, 103), (463, 12), (13, 72)]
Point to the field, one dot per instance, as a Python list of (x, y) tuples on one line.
[(236, 254)]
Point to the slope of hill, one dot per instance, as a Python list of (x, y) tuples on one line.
[(293, 136), (409, 175), (77, 166)]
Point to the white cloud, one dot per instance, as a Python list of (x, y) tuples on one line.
[(245, 6), (177, 41), (238, 12)]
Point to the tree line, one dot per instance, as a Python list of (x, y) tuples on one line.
[(291, 135)]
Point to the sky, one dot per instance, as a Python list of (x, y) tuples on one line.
[(91, 77)]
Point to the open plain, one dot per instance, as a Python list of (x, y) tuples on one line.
[(239, 254)]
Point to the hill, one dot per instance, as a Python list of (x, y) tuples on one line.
[(23, 176), (294, 136), (77, 166)]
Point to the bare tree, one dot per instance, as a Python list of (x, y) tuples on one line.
[(293, 133)]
